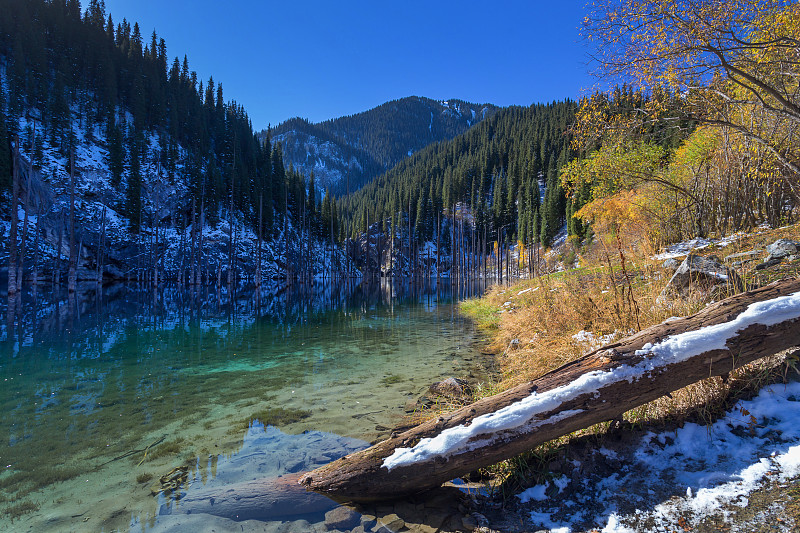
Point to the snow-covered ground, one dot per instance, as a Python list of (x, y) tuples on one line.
[(680, 477), (682, 249)]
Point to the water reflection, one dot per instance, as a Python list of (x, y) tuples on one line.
[(105, 394), (245, 485)]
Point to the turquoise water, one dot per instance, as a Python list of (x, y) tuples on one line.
[(104, 396)]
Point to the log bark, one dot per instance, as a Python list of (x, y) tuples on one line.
[(361, 477)]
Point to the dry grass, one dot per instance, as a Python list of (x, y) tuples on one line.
[(536, 319), (533, 323)]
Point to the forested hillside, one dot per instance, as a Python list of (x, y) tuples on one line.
[(159, 156), (502, 175), (346, 152)]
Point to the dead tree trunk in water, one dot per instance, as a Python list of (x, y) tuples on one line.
[(100, 246), (597, 387), (12, 237), (260, 237)]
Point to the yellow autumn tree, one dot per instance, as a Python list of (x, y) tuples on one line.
[(731, 64)]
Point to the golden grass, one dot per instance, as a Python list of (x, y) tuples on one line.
[(533, 323)]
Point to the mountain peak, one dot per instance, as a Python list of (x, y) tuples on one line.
[(347, 152)]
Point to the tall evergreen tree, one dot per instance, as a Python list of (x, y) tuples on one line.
[(5, 147)]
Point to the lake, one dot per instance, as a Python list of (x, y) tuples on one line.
[(119, 403)]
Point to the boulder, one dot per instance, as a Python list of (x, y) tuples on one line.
[(743, 257), (782, 248), (451, 388), (705, 274), (341, 518), (671, 264)]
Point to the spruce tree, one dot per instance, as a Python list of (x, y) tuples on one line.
[(5, 147)]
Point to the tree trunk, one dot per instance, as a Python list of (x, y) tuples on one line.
[(100, 247), (260, 236), (597, 387), (24, 240), (193, 264), (12, 237), (57, 258), (37, 242), (73, 256)]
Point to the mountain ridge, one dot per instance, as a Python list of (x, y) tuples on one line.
[(347, 152)]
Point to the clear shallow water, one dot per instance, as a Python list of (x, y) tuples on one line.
[(101, 397)]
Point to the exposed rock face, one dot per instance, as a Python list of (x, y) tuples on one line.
[(704, 274)]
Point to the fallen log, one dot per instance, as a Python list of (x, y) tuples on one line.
[(598, 387)]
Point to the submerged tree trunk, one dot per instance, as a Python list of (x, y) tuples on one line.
[(12, 237), (597, 387), (100, 248)]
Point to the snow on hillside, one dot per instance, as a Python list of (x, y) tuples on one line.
[(325, 159), (165, 199)]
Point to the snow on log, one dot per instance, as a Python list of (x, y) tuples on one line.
[(598, 387)]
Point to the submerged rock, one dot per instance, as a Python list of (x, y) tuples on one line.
[(342, 518)]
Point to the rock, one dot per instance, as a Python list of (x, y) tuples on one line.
[(782, 248), (390, 524), (341, 518), (411, 406), (368, 521), (469, 523), (671, 264), (770, 262), (704, 274), (743, 257), (451, 388), (480, 519)]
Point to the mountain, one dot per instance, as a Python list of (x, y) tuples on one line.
[(347, 152), (492, 175)]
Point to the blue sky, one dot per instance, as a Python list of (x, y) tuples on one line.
[(321, 60)]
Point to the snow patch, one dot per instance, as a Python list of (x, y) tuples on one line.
[(719, 465)]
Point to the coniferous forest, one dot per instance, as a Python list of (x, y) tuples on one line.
[(118, 149)]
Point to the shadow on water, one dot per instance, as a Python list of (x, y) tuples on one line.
[(110, 391)]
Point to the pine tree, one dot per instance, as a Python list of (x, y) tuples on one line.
[(311, 204), (5, 147)]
